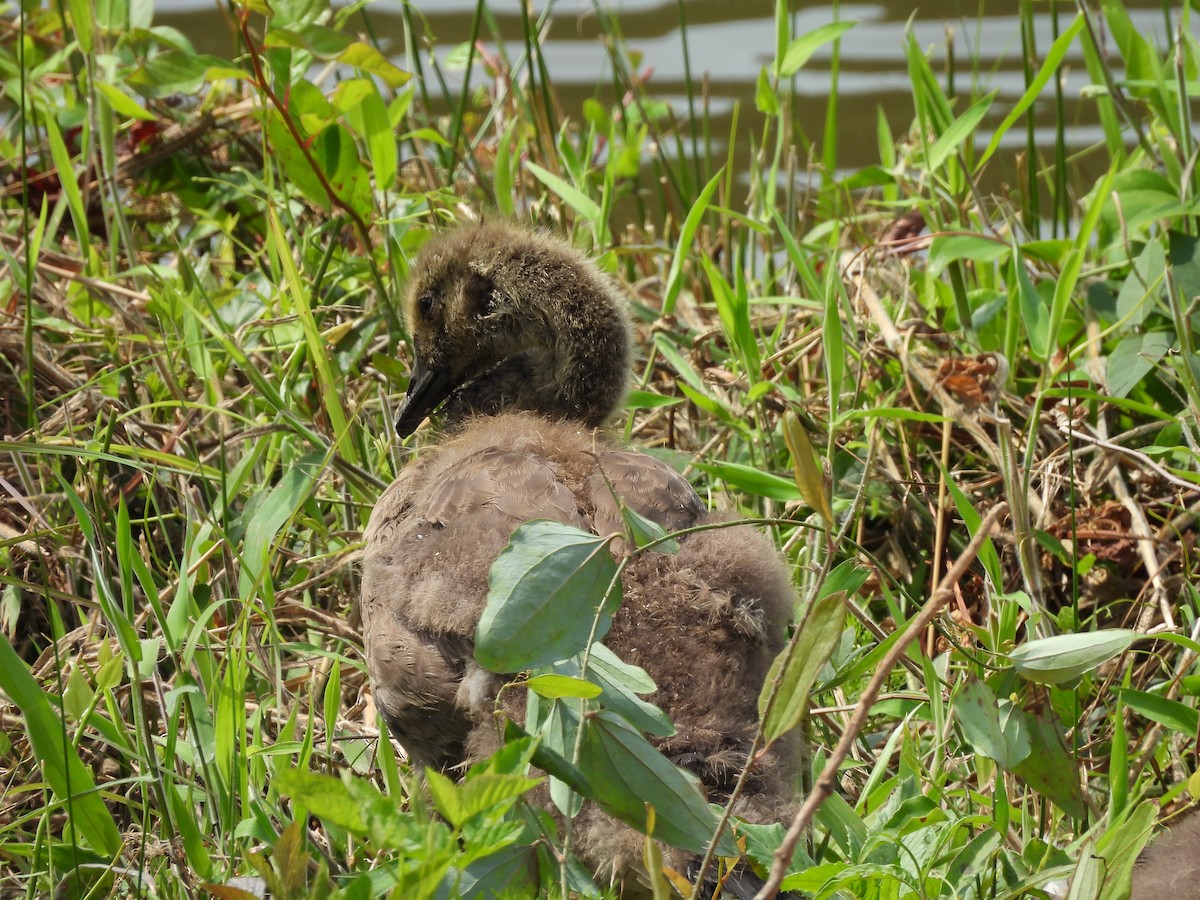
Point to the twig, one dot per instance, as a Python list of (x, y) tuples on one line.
[(827, 781)]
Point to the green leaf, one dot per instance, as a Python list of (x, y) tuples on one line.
[(1118, 848), (1043, 769), (67, 179), (1144, 283), (480, 793), (176, 72), (802, 48), (754, 481), (1033, 309), (819, 635), (1065, 657), (585, 206), (1133, 358), (646, 531), (810, 479), (621, 682), (683, 248), (348, 802), (367, 59), (649, 400), (993, 728), (292, 161), (1179, 717), (628, 775), (123, 104), (381, 142), (322, 42), (544, 591), (269, 518), (68, 778), (1054, 57), (81, 22), (553, 686), (960, 130), (764, 94), (987, 550), (948, 248)]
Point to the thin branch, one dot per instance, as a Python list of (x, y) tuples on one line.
[(827, 781)]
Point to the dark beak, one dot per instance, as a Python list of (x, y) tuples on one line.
[(426, 390)]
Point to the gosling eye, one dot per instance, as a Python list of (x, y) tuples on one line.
[(425, 305)]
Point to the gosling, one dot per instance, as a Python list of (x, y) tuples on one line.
[(528, 347), (1170, 867)]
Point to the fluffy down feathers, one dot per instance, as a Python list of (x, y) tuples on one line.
[(528, 345)]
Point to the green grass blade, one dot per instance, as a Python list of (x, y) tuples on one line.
[(68, 778)]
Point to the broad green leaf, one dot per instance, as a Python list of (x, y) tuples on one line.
[(270, 516), (1133, 358), (621, 683), (291, 159), (1050, 769), (819, 635), (948, 248), (352, 803), (1143, 286), (1064, 657), (996, 729), (1118, 848), (478, 793), (558, 731), (544, 591), (1185, 262), (764, 94), (123, 104), (381, 142), (554, 686), (800, 50), (502, 872), (367, 59), (975, 858), (81, 23), (68, 778), (322, 42), (628, 775), (177, 72)]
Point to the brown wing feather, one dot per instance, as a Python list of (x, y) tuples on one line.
[(431, 541), (647, 486)]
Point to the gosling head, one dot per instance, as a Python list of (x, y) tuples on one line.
[(504, 319)]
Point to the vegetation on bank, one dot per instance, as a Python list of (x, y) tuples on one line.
[(200, 353)]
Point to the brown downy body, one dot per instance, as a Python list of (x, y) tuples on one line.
[(528, 345), (1170, 866)]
